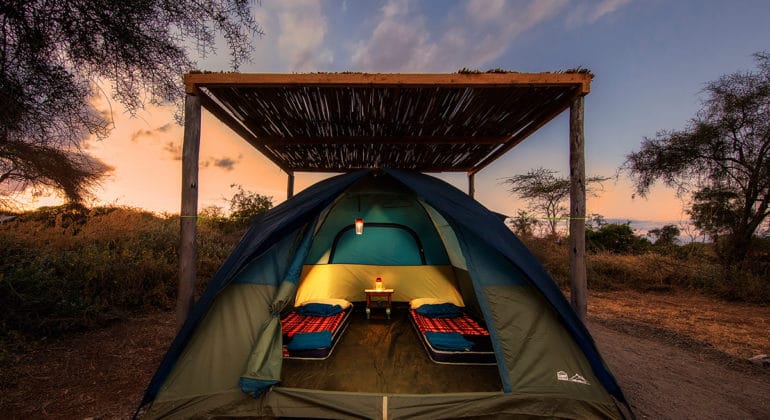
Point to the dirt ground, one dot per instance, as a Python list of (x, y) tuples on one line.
[(675, 355)]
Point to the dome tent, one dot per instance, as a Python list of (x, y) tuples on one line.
[(226, 359)]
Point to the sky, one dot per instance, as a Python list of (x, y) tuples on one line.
[(651, 60)]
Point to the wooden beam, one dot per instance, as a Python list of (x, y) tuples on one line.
[(288, 141), (224, 116), (189, 212), (520, 136), (290, 186), (582, 80), (471, 185), (335, 169), (577, 222)]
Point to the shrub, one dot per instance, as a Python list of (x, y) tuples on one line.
[(617, 238), (65, 269)]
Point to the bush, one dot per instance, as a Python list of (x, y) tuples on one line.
[(65, 269), (616, 238), (691, 267)]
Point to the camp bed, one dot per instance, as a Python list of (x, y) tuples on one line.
[(321, 331), (431, 331)]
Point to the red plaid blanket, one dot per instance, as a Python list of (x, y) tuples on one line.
[(464, 324), (294, 323)]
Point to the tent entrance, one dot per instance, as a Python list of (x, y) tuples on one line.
[(386, 357)]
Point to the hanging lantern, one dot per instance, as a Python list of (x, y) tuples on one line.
[(378, 283), (359, 226)]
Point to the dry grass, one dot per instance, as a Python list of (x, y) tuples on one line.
[(734, 328)]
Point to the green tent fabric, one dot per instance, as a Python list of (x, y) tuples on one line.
[(227, 359), (264, 366)]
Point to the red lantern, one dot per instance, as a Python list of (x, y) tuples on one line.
[(359, 226)]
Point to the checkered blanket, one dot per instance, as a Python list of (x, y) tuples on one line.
[(463, 324), (294, 323)]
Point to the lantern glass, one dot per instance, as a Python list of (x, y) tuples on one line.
[(359, 226)]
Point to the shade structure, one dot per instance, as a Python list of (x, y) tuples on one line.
[(345, 121)]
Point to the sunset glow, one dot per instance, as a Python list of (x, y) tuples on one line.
[(648, 74)]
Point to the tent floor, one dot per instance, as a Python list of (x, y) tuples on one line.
[(386, 356)]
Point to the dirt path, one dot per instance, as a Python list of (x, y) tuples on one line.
[(663, 381), (664, 373)]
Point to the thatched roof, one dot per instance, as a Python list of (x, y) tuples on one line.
[(428, 122)]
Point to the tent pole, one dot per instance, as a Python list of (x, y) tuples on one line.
[(189, 214), (471, 184), (577, 222), (290, 186)]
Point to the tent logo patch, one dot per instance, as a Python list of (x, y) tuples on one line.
[(576, 378)]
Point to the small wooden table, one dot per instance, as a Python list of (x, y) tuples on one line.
[(378, 299)]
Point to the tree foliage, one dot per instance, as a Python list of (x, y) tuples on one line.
[(665, 235), (55, 56), (523, 224), (546, 192), (722, 157), (616, 238), (246, 204)]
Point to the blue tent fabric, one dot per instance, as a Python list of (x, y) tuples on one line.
[(264, 230), (464, 214)]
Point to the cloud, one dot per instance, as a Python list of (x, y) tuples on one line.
[(165, 127), (588, 13), (174, 149), (226, 163), (399, 42), (136, 135), (294, 36), (475, 34)]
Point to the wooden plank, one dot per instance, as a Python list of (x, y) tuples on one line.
[(194, 80), (287, 141), (577, 222), (189, 212), (236, 126), (335, 169), (520, 136)]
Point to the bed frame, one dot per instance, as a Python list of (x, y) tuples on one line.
[(471, 330), (294, 323)]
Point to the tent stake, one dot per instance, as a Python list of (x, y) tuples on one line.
[(577, 222), (189, 213)]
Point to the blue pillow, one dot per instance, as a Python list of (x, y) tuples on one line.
[(450, 341), (311, 341), (440, 310), (319, 309)]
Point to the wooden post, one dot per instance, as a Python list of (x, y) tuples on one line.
[(577, 213), (471, 184), (290, 186), (189, 214)]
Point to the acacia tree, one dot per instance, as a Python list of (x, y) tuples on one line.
[(56, 55), (546, 192), (665, 235), (246, 204), (722, 158)]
